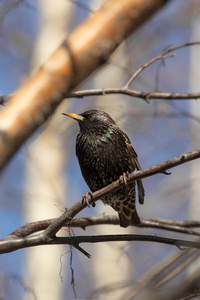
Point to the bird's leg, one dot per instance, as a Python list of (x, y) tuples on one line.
[(86, 200), (124, 178)]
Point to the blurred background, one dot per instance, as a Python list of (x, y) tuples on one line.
[(44, 176)]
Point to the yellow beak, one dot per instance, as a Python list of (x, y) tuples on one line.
[(74, 116)]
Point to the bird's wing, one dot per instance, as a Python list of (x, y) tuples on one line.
[(135, 162)]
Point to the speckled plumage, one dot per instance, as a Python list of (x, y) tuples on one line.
[(105, 153)]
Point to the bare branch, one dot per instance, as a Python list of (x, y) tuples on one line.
[(131, 92), (125, 237), (18, 239), (146, 96), (19, 243), (160, 168), (175, 226), (134, 93), (160, 56), (143, 95), (145, 66)]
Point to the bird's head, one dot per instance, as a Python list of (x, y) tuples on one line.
[(92, 119)]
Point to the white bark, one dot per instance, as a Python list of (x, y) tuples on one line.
[(46, 187)]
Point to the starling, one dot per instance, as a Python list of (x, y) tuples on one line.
[(105, 153)]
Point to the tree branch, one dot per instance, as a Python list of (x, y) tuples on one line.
[(125, 237), (131, 92), (86, 49), (162, 56), (134, 93), (175, 226), (160, 168), (19, 239), (143, 95), (11, 245)]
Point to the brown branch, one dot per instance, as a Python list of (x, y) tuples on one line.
[(18, 239), (86, 49), (175, 226), (131, 92), (146, 96), (143, 95), (169, 225), (160, 168), (134, 93)]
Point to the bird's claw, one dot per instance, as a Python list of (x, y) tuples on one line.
[(124, 179), (86, 200)]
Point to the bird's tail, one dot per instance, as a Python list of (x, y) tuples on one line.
[(141, 192), (125, 221), (127, 212)]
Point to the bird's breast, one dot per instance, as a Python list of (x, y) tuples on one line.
[(101, 159)]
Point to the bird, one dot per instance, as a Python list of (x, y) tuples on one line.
[(105, 154)]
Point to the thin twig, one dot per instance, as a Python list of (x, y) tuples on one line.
[(130, 92), (161, 56)]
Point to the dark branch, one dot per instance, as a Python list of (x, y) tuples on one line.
[(18, 239), (160, 168), (19, 243), (125, 237)]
